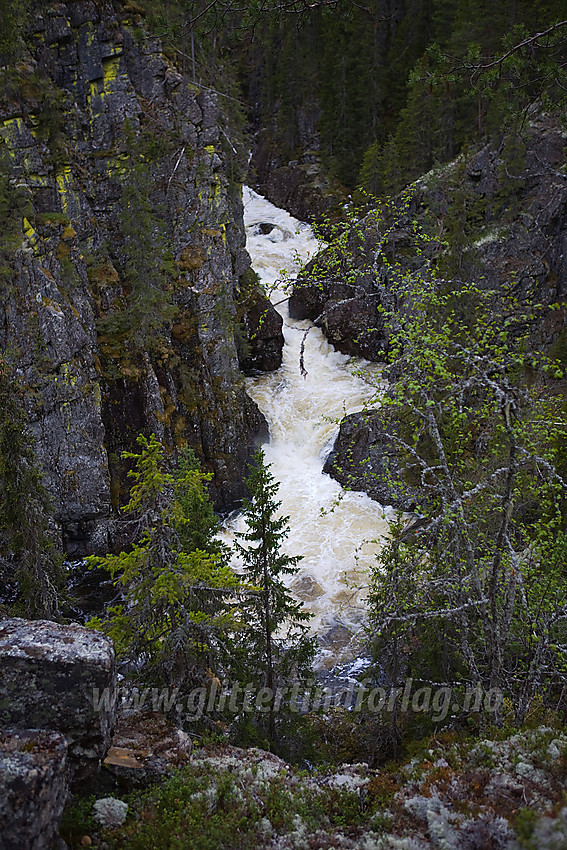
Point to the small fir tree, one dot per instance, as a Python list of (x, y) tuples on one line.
[(195, 518), (276, 639), (175, 580)]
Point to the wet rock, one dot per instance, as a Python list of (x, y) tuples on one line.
[(348, 313), (307, 588), (63, 678), (354, 327), (301, 189), (264, 341), (302, 186), (337, 637), (363, 459), (34, 780)]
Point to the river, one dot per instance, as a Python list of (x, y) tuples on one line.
[(338, 532)]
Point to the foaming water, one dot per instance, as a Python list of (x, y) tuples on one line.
[(338, 532)]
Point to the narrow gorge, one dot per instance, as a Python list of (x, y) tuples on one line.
[(337, 532), (283, 425)]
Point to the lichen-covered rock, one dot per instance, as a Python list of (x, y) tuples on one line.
[(549, 833), (448, 828), (119, 283), (59, 677), (471, 798), (443, 799), (34, 780), (110, 812)]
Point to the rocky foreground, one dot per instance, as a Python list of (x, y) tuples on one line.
[(471, 796), (136, 781)]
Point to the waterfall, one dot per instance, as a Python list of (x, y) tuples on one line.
[(337, 532)]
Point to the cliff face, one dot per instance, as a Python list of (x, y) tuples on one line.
[(497, 217), (123, 252)]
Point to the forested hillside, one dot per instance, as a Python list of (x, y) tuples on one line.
[(343, 94)]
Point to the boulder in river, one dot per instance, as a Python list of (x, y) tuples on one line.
[(364, 459), (348, 313), (262, 325)]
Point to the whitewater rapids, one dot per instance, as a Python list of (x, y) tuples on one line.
[(338, 532)]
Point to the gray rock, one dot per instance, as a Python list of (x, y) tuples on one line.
[(364, 459), (63, 678), (89, 393), (300, 188), (33, 787), (347, 313), (110, 812), (263, 331)]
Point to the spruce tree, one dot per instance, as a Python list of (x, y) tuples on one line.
[(175, 594), (196, 521), (276, 641)]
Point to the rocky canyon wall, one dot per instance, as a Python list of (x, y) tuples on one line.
[(123, 263)]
